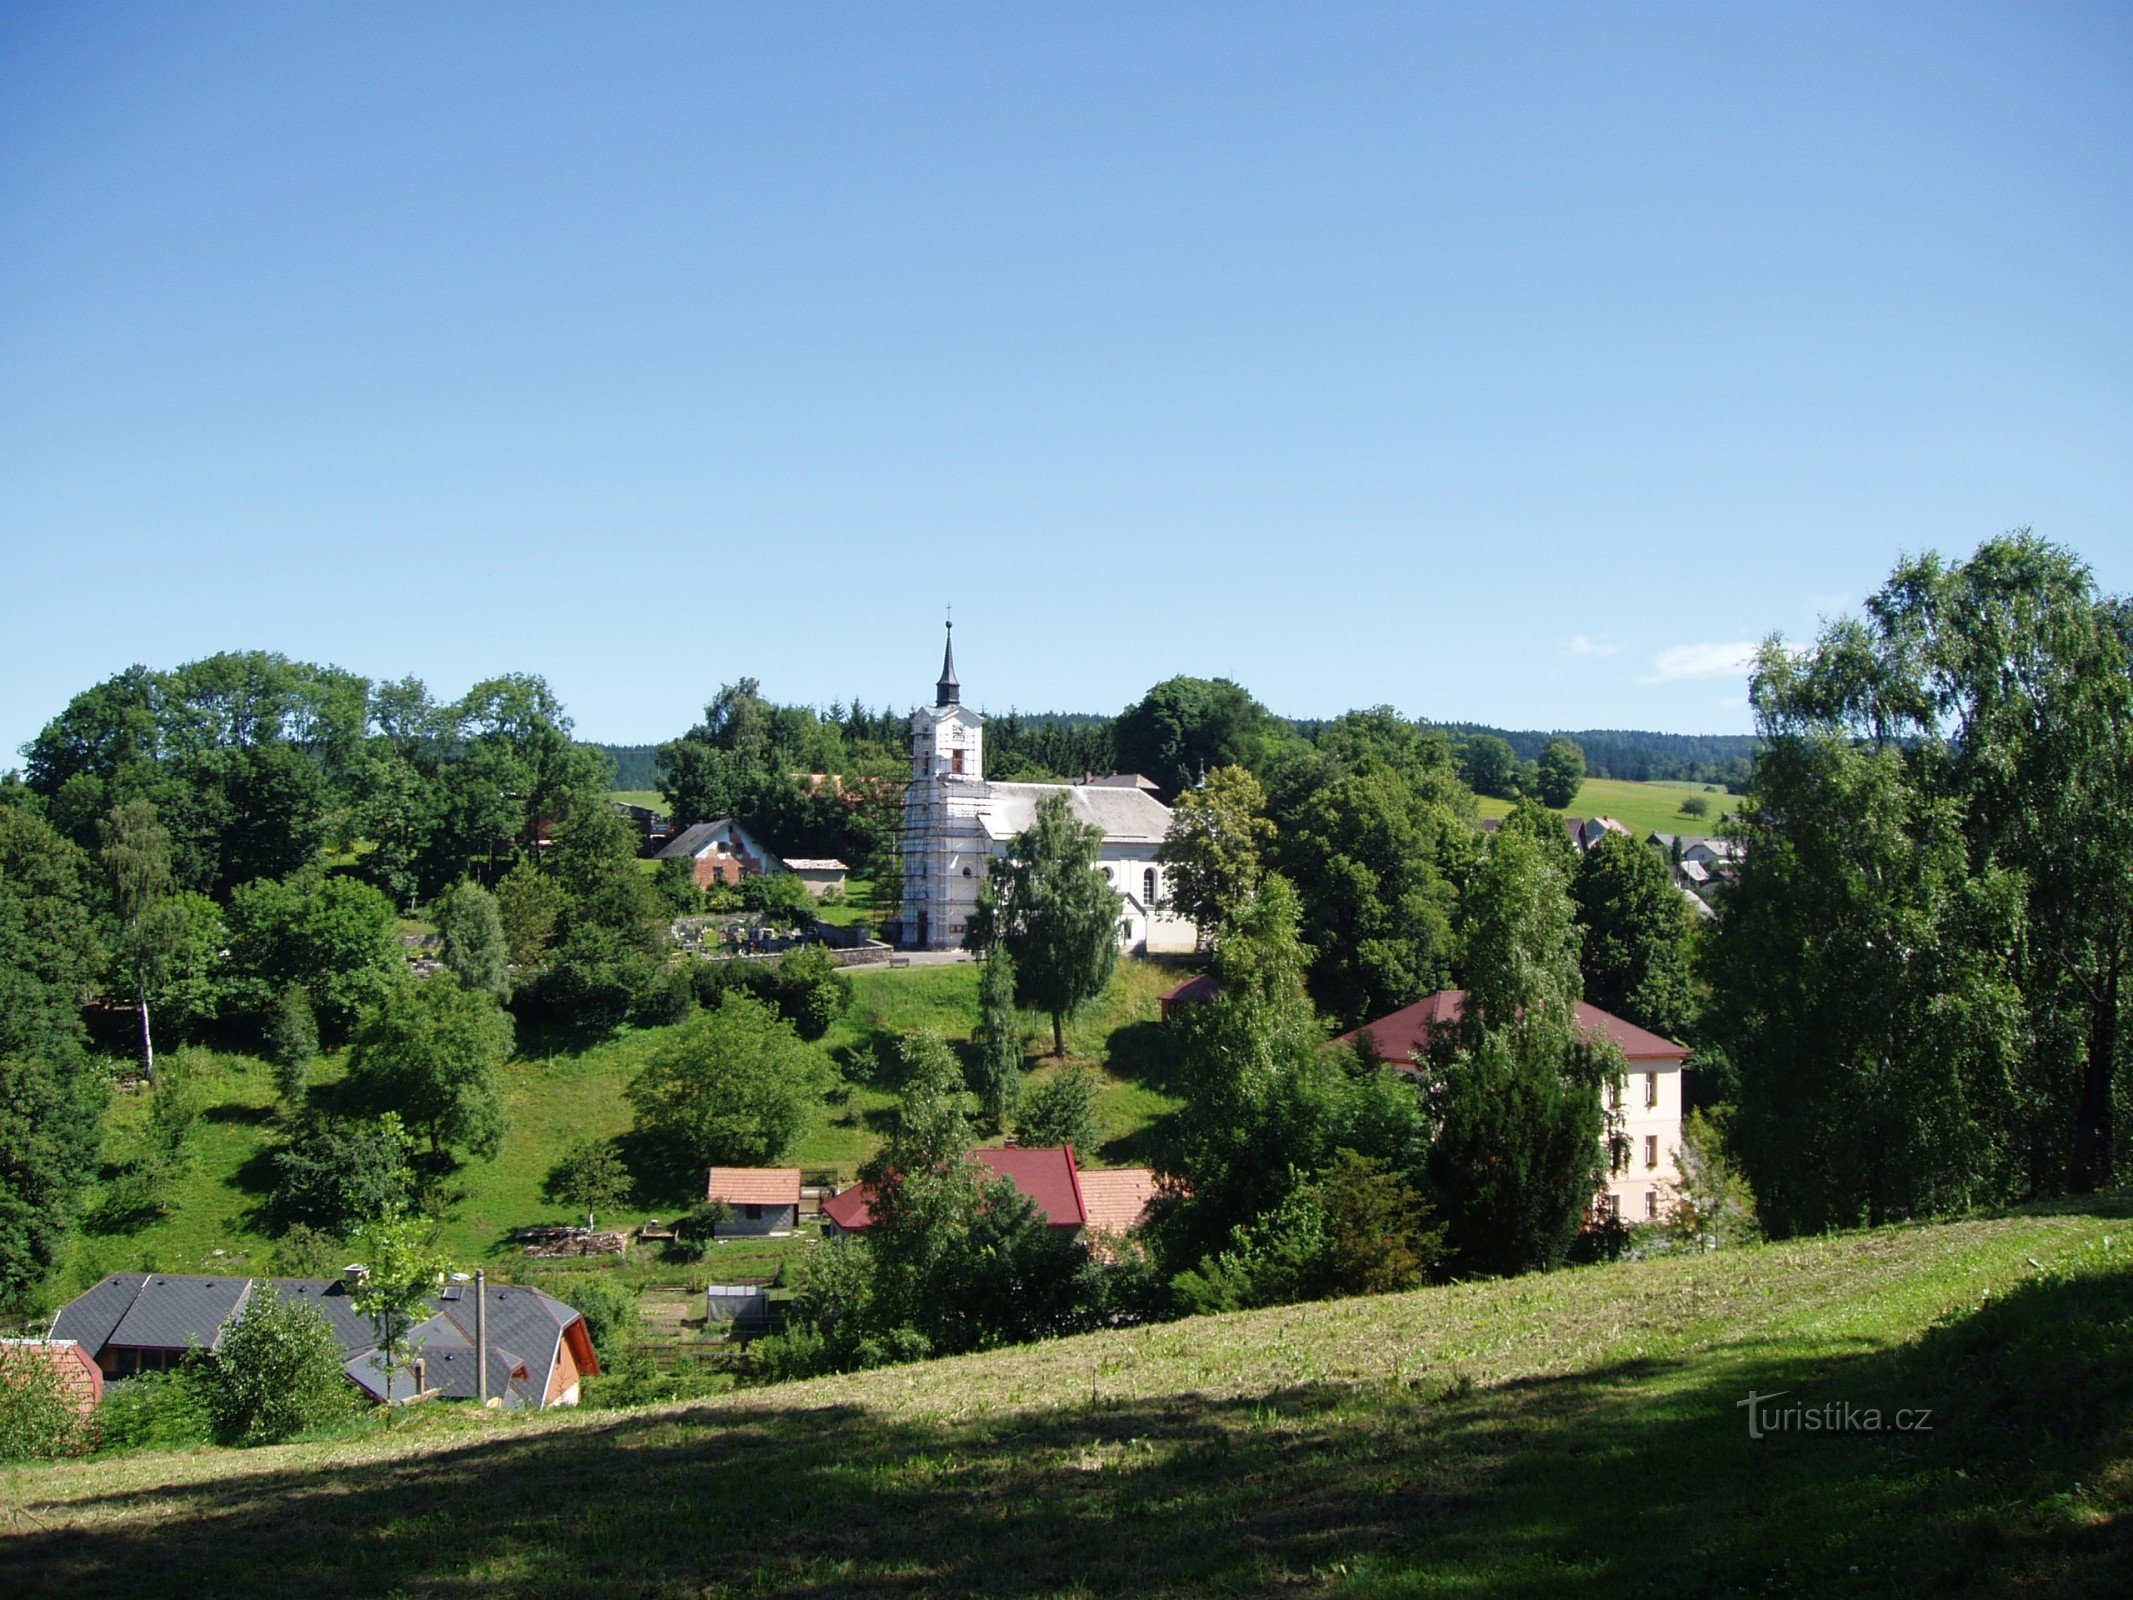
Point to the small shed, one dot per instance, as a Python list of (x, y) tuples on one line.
[(761, 1202), (742, 1307), (820, 873)]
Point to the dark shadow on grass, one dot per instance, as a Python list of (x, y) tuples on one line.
[(1639, 1478), (240, 1115), (1143, 1051)]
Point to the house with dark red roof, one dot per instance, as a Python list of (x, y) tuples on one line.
[(1108, 1202), (1644, 1105)]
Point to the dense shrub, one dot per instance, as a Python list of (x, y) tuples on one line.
[(156, 1411), (609, 1309), (38, 1417), (276, 1374), (339, 1172)]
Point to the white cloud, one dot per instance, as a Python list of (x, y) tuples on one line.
[(1584, 644), (1680, 661)]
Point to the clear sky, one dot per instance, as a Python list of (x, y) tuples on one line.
[(1499, 363)]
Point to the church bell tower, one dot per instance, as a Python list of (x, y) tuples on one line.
[(944, 843)]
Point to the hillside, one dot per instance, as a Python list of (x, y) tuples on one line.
[(1643, 808), (562, 1089), (1573, 1434)]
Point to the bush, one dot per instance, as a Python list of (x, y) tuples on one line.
[(693, 1233), (1696, 806), (610, 1312), (1062, 1111), (339, 1173), (277, 1373), (735, 1086), (292, 1043), (156, 1411), (38, 1416)]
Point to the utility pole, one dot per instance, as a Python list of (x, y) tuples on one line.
[(481, 1338)]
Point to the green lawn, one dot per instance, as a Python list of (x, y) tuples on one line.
[(1577, 1434), (651, 799), (1643, 808), (557, 1095)]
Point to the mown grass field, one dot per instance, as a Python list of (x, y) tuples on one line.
[(1643, 808), (1576, 1434), (559, 1093)]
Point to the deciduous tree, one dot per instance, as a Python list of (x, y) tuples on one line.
[(1056, 913), (1217, 846)]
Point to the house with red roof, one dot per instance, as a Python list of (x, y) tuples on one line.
[(760, 1202), (1643, 1107), (1050, 1176)]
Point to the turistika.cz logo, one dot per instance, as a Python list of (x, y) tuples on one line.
[(1831, 1416)]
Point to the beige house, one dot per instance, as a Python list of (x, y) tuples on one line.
[(1643, 1106)]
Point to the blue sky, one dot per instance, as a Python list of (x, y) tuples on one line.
[(1499, 363)]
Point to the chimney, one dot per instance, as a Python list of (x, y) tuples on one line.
[(422, 1368), (355, 1274)]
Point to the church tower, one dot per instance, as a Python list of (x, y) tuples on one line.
[(943, 842)]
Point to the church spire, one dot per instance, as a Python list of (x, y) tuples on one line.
[(948, 692)]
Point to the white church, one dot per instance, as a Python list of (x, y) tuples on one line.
[(955, 822)]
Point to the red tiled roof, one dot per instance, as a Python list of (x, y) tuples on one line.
[(755, 1186), (1118, 1199), (1407, 1031), (1046, 1175)]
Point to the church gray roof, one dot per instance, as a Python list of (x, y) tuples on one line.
[(1127, 816)]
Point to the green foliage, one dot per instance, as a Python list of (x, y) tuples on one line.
[(136, 855), (49, 1133), (1635, 956), (1374, 850), (1561, 773), (472, 931), (1696, 805), (1714, 1206), (1186, 726), (677, 886), (1266, 1105), (609, 1309), (732, 1087), (431, 1055), (1360, 1227), (276, 1373), (1514, 1098), (996, 1073), (39, 1419), (292, 1043), (339, 1173), (1863, 988), (778, 898), (1489, 765), (333, 935), (699, 1226), (156, 1411), (401, 1269), (807, 986), (590, 1178), (1056, 913), (1061, 1111), (529, 903), (1215, 852)]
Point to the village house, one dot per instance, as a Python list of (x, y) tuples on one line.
[(1108, 1203), (955, 822), (760, 1202), (723, 852), (539, 1349), (1644, 1106), (821, 874)]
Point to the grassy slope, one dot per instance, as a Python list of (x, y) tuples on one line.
[(559, 1095), (1643, 808), (1576, 1434)]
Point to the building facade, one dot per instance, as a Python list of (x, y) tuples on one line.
[(955, 822)]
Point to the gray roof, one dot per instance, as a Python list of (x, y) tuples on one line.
[(170, 1311), (691, 839), (1130, 816)]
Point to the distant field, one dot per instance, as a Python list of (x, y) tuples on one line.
[(650, 798), (558, 1094), (1641, 807), (1575, 1433)]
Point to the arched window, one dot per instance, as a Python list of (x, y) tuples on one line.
[(1148, 887)]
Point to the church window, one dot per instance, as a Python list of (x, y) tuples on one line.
[(1148, 886), (958, 761)]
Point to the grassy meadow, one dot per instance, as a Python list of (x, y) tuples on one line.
[(560, 1091), (1572, 1434), (1643, 808)]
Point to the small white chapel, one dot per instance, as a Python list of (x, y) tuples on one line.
[(955, 822)]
